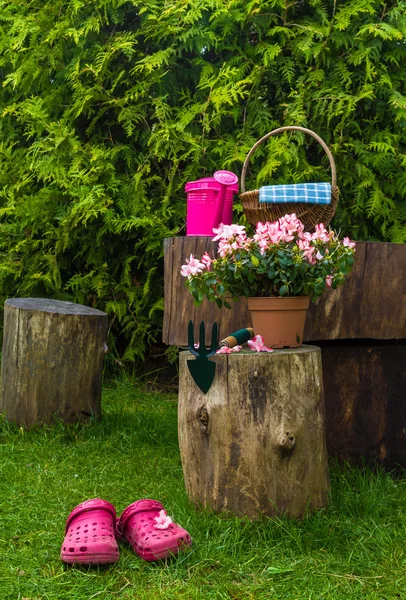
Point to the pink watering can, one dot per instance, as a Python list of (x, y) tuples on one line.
[(210, 202)]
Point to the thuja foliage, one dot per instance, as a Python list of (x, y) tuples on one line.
[(108, 107)]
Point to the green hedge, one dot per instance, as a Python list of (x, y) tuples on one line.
[(109, 107)]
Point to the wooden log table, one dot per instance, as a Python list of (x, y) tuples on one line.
[(52, 361), (361, 328), (255, 443), (370, 305)]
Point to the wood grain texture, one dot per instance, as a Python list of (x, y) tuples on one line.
[(336, 314), (52, 361), (370, 305), (179, 304), (372, 302), (365, 391), (255, 443)]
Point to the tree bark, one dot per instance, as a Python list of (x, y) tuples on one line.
[(52, 361), (255, 443)]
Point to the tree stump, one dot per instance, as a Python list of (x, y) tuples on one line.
[(52, 361), (255, 443)]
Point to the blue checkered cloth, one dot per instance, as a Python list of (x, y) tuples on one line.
[(310, 193)]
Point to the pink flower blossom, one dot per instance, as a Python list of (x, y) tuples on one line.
[(224, 249), (308, 251), (232, 245), (348, 243), (226, 232), (267, 234), (227, 350), (257, 344), (192, 267), (321, 233), (275, 233), (291, 226), (231, 238), (329, 280), (218, 231), (319, 256), (162, 521), (206, 260), (285, 230)]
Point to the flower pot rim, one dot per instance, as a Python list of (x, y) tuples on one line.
[(283, 303)]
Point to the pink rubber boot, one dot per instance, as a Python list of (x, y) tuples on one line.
[(151, 533), (90, 534)]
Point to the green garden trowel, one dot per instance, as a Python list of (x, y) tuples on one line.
[(202, 369)]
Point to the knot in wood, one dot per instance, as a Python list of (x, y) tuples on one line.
[(286, 443), (203, 418)]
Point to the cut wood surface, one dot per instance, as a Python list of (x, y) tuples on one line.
[(370, 305), (255, 443), (52, 361)]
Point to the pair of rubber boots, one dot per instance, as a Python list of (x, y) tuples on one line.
[(92, 530)]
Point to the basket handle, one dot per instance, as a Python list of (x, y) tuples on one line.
[(290, 128)]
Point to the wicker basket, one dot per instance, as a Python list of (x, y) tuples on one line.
[(309, 214)]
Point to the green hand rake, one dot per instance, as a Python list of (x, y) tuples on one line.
[(202, 369)]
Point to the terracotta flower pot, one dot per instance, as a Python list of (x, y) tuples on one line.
[(280, 321)]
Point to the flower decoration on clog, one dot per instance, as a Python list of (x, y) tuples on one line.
[(162, 520), (257, 344)]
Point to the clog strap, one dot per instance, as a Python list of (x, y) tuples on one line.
[(134, 508), (89, 505)]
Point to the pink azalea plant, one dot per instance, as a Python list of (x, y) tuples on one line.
[(280, 259)]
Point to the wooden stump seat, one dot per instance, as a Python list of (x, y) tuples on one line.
[(255, 443), (52, 361)]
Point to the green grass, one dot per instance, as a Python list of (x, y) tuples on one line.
[(352, 550)]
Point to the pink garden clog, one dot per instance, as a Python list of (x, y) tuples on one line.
[(151, 533), (90, 534)]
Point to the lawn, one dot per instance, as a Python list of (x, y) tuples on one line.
[(352, 550)]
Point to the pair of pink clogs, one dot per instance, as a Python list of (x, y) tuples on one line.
[(92, 528)]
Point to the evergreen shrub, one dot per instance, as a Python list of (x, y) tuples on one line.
[(108, 107)]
